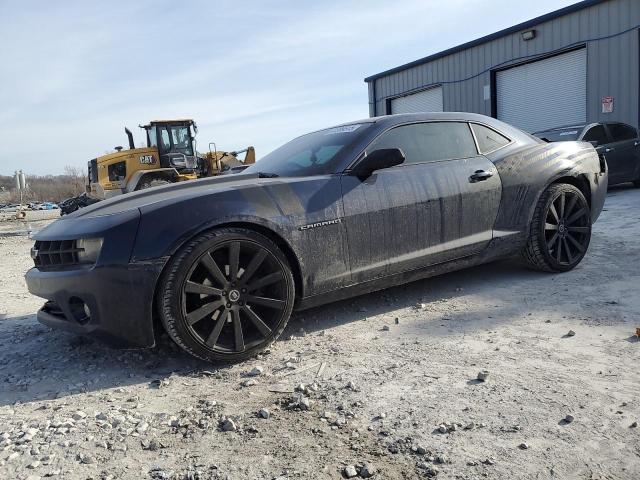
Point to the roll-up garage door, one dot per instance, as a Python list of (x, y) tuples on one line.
[(426, 101), (544, 94)]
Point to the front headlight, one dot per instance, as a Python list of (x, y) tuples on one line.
[(88, 249)]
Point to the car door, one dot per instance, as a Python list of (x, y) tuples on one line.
[(624, 151), (440, 204), (598, 133)]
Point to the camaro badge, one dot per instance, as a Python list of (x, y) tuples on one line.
[(319, 224)]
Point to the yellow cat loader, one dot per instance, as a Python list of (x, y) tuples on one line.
[(170, 156)]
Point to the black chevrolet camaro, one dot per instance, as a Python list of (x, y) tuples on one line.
[(220, 263)]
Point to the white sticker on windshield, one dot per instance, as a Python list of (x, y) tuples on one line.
[(343, 129), (572, 132)]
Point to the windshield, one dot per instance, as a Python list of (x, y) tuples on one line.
[(560, 135), (317, 153), (181, 139)]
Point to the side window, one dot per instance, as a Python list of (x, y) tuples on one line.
[(620, 132), (488, 139), (597, 134), (429, 142), (153, 138), (164, 139)]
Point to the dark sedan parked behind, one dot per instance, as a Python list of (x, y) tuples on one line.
[(221, 262), (618, 142)]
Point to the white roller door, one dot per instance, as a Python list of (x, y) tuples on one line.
[(544, 94), (426, 101)]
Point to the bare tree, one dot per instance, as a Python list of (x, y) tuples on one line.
[(47, 188), (77, 178)]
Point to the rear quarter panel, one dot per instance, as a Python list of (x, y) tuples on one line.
[(526, 171)]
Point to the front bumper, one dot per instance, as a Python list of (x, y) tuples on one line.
[(118, 300)]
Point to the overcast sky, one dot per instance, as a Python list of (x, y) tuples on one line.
[(73, 74)]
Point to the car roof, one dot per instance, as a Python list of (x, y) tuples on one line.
[(426, 116), (422, 116), (502, 127), (388, 121)]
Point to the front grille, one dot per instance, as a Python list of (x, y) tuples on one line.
[(55, 253)]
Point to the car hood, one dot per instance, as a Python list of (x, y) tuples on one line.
[(173, 192)]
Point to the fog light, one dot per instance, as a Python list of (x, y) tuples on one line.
[(80, 310)]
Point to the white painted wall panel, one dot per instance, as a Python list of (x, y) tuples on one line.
[(548, 93), (426, 101)]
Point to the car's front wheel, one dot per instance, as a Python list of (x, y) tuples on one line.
[(560, 231), (226, 295)]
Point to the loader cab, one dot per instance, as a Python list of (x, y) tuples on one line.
[(175, 141)]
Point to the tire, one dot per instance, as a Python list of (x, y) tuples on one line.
[(215, 318), (560, 231), (153, 182)]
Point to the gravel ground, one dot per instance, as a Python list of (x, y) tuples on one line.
[(383, 385), (34, 220)]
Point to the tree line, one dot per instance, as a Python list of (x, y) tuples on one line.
[(45, 188)]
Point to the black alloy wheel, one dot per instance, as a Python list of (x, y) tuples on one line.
[(567, 228), (561, 229), (234, 295)]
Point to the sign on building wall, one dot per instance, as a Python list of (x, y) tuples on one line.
[(607, 104)]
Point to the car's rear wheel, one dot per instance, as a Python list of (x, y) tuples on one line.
[(560, 231), (226, 295)]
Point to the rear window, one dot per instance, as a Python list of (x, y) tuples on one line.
[(560, 135), (488, 139)]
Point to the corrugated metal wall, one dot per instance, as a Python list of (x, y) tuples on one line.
[(613, 67)]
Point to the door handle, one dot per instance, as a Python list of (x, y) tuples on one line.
[(479, 176), (607, 150), (635, 144)]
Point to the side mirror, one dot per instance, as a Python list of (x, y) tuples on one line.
[(377, 160), (594, 143)]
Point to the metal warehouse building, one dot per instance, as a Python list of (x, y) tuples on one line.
[(575, 65)]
